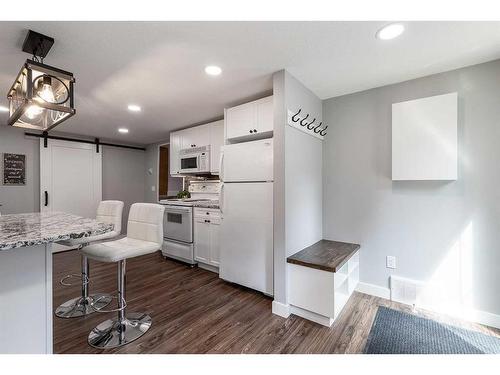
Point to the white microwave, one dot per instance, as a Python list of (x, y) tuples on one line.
[(195, 160)]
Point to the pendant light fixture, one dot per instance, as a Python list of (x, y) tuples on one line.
[(42, 95)]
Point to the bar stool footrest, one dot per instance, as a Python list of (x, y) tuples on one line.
[(83, 278), (101, 310)]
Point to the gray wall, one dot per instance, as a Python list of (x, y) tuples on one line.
[(123, 173), (297, 177), (174, 183), (422, 223), (18, 199)]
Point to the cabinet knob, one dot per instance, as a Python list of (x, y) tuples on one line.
[(250, 131), (255, 130), (208, 213)]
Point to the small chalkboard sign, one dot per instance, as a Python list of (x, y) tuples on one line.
[(14, 169)]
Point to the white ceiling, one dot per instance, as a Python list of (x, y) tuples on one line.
[(159, 65)]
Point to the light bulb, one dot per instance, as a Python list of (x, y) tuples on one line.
[(45, 92), (33, 111)]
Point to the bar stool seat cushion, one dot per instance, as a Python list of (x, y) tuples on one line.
[(114, 251)]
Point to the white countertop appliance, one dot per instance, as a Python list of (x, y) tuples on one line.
[(178, 220), (246, 202), (195, 160)]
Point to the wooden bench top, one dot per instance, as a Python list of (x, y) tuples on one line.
[(325, 255)]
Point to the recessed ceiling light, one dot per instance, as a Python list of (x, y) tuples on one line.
[(390, 31), (123, 130), (213, 70), (134, 108), (3, 109)]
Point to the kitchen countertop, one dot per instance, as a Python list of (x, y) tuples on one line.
[(207, 204), (325, 255), (21, 230)]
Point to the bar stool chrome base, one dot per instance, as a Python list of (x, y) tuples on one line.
[(113, 334), (80, 306)]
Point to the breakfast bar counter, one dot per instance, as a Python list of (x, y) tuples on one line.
[(26, 275)]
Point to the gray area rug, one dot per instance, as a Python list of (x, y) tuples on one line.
[(396, 332)]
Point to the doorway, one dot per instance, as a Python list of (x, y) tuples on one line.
[(163, 172)]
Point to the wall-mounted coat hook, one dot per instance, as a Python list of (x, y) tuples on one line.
[(293, 117), (302, 121), (317, 129), (311, 123)]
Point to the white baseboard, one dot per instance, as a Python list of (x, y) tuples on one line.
[(486, 318), (476, 316), (281, 309), (374, 290), (312, 316)]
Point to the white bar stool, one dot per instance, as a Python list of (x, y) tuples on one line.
[(144, 236), (109, 212)]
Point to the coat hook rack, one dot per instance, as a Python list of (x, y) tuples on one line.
[(299, 120)]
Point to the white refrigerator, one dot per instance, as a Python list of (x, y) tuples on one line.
[(246, 202)]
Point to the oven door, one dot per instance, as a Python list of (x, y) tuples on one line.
[(190, 163), (178, 223)]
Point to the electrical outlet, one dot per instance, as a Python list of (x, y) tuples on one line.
[(390, 262), (153, 188)]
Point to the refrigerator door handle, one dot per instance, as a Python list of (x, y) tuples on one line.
[(221, 166), (221, 198)]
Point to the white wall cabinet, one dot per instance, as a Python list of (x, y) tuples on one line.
[(207, 236), (424, 139), (208, 134), (197, 136), (175, 147), (248, 121), (216, 142)]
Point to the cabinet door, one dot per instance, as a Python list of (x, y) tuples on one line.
[(216, 142), (215, 242), (187, 138), (240, 121), (200, 135), (202, 240), (265, 115), (174, 152)]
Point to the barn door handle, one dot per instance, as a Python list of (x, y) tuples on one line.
[(46, 198)]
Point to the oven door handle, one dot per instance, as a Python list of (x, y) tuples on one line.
[(178, 210)]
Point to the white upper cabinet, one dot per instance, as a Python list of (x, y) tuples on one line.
[(252, 120), (195, 137), (216, 142), (211, 134), (424, 139), (175, 146)]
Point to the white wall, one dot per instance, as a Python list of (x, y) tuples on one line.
[(298, 177), (444, 232)]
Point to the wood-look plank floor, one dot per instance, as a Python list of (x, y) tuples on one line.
[(194, 311)]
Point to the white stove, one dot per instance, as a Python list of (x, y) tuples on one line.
[(178, 220)]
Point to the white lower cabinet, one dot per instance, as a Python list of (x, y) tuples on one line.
[(207, 237), (320, 295)]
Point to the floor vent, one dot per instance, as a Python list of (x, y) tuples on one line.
[(405, 290)]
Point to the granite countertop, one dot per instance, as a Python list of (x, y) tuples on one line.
[(325, 255), (207, 204), (39, 228)]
